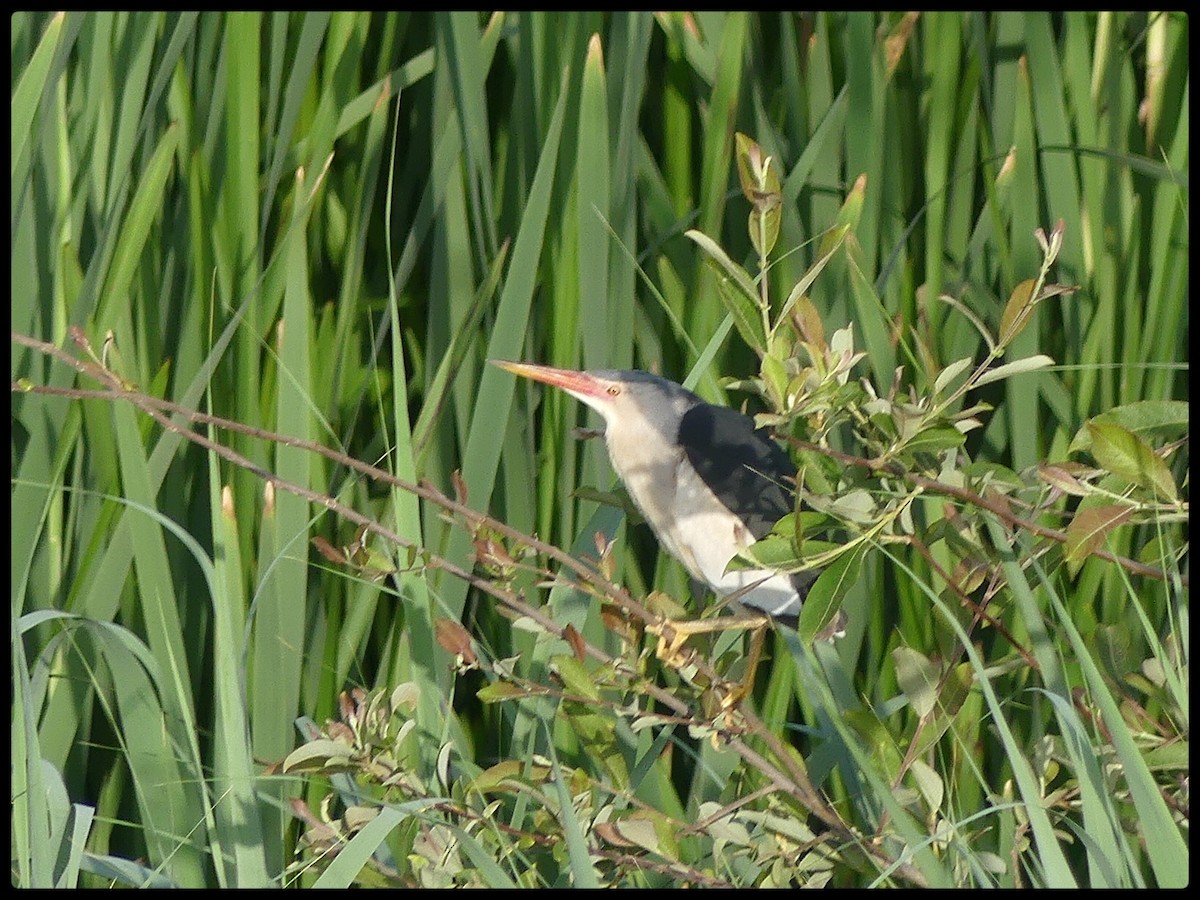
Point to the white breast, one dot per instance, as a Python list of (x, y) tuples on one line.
[(714, 536), (689, 520)]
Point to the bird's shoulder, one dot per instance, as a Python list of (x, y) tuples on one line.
[(746, 470)]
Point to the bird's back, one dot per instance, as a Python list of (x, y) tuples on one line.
[(745, 469), (751, 476)]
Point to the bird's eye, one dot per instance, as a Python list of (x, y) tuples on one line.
[(613, 391)]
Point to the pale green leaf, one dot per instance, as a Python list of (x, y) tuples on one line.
[(1016, 367)]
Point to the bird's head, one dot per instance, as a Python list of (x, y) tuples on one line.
[(627, 399)]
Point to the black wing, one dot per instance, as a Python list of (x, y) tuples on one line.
[(747, 471)]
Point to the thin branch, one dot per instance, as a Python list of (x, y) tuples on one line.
[(995, 506)]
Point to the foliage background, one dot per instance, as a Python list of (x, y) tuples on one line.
[(324, 224)]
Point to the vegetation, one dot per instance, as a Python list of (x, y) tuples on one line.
[(305, 593)]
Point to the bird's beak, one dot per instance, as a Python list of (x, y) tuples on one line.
[(581, 385)]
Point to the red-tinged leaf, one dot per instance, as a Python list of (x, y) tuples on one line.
[(492, 554), (757, 173), (1059, 476), (454, 639), (575, 639), (1016, 311), (1090, 526), (460, 487), (330, 552), (608, 832), (617, 621), (809, 323), (81, 340), (894, 43)]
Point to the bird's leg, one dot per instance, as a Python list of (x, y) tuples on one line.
[(681, 630), (669, 648), (758, 635)]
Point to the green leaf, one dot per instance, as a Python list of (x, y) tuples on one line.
[(848, 216), (949, 701), (936, 439), (778, 551), (144, 212), (829, 245), (717, 254), (638, 830), (492, 411), (949, 373), (1126, 455), (576, 678), (856, 506), (583, 872), (930, 784), (775, 377), (918, 679), (744, 309), (1017, 367), (29, 89), (318, 755), (1167, 419), (825, 598), (1156, 828), (498, 691), (354, 855), (124, 871), (594, 170), (763, 226), (759, 177), (493, 777)]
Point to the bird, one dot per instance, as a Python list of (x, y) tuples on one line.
[(705, 478)]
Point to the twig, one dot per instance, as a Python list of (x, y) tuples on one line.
[(994, 506)]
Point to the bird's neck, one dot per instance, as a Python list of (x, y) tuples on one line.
[(646, 465)]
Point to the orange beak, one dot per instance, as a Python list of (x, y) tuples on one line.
[(581, 385)]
